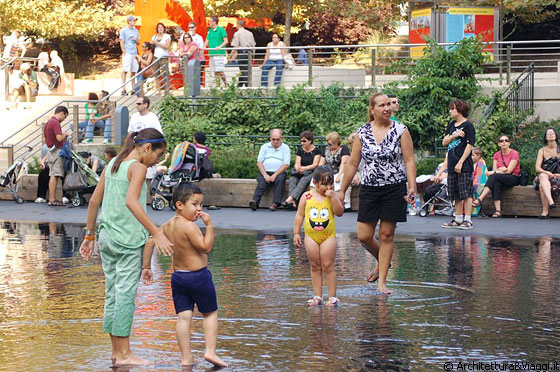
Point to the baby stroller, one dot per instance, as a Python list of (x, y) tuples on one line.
[(11, 177), (84, 180), (185, 167), (435, 196)]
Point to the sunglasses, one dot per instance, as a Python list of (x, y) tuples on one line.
[(503, 140), (303, 140), (192, 27), (139, 103)]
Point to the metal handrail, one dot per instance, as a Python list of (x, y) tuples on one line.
[(516, 85)]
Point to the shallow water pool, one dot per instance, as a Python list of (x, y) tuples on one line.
[(457, 299)]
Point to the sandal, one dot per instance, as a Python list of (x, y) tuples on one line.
[(316, 300), (372, 278), (497, 214), (56, 203), (477, 202), (333, 302)]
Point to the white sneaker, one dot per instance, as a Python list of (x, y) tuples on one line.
[(65, 200), (40, 200)]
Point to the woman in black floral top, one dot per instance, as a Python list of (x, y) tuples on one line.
[(386, 147)]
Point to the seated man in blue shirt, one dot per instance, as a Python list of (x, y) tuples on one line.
[(273, 161)]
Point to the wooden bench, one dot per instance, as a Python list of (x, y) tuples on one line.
[(522, 201)]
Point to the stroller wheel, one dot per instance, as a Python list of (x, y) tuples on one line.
[(172, 206), (158, 204), (423, 213), (18, 199)]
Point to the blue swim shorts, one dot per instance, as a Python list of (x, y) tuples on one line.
[(193, 287)]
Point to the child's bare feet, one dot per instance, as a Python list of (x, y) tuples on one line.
[(189, 361), (214, 359), (131, 360)]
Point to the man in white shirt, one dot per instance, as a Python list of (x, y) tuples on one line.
[(144, 118)]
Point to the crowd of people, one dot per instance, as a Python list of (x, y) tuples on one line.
[(175, 45)]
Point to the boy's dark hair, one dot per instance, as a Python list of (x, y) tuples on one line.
[(392, 95), (323, 175), (463, 107), (183, 191), (61, 109), (200, 137), (111, 151)]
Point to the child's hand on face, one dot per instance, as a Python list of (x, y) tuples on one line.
[(330, 193), (205, 217)]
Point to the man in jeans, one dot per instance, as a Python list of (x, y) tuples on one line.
[(273, 161), (243, 40), (55, 139)]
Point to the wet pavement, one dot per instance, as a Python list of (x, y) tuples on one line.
[(282, 221)]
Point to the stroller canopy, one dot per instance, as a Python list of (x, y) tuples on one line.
[(185, 151)]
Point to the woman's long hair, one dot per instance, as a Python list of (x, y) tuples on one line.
[(136, 139)]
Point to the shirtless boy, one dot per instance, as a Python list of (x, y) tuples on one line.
[(191, 281)]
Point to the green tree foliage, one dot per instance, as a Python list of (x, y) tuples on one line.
[(55, 18), (433, 81)]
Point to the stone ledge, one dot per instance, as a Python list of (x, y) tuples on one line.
[(521, 201)]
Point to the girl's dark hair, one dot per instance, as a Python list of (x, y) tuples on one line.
[(323, 175), (92, 97), (372, 104), (185, 35), (137, 139), (164, 28), (544, 135), (463, 107), (307, 134), (150, 46), (46, 48)]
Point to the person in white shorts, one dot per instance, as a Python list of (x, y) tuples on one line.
[(129, 39)]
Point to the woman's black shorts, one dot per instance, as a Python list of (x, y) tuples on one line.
[(385, 203)]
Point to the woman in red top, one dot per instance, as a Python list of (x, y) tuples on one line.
[(505, 173)]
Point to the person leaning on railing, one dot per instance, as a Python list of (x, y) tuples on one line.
[(547, 182)]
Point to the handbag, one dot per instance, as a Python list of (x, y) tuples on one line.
[(147, 73), (523, 176), (75, 181)]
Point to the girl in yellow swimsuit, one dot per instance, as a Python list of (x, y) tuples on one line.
[(316, 211)]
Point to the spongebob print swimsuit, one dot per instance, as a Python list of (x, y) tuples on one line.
[(319, 222)]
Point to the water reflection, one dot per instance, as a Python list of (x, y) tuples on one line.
[(456, 299)]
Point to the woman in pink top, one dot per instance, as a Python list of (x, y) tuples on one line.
[(505, 172), (188, 47)]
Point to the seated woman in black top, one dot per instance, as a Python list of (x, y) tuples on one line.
[(307, 159), (547, 183)]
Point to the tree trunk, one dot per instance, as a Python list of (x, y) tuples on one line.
[(288, 24)]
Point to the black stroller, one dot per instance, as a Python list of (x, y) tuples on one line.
[(11, 177), (185, 166), (435, 196)]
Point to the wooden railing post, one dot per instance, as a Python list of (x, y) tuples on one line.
[(310, 66), (76, 122), (250, 69)]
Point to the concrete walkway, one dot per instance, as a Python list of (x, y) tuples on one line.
[(282, 221)]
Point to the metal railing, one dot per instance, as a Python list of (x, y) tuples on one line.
[(256, 141), (519, 96)]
